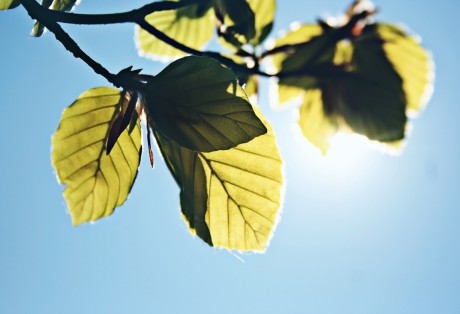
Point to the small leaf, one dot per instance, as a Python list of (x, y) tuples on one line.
[(298, 35), (239, 19), (191, 25), (57, 5), (411, 61), (122, 118), (8, 4), (96, 183), (264, 16), (230, 198), (198, 103), (316, 125)]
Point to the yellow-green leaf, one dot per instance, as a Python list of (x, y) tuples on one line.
[(8, 4), (367, 82), (192, 26), (57, 5), (96, 183), (239, 20), (298, 35), (230, 198), (310, 49), (317, 125), (411, 61), (264, 15), (187, 169), (198, 103)]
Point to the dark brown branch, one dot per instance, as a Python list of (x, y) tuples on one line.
[(133, 16)]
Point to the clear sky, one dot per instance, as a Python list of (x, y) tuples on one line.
[(361, 232)]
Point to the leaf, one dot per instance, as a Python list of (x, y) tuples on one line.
[(359, 86), (298, 35), (123, 117), (410, 60), (375, 102), (230, 198), (251, 87), (317, 125), (308, 46), (57, 5), (191, 25), (96, 183), (8, 4), (198, 103), (264, 16), (239, 20)]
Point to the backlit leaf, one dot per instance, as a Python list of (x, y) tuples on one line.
[(239, 19), (57, 5), (264, 15), (8, 4), (411, 61), (192, 26), (96, 183), (316, 125), (367, 82), (198, 103), (230, 198)]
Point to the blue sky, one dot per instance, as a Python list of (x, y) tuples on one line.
[(361, 232)]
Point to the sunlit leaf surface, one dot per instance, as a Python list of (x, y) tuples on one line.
[(264, 15), (366, 82), (198, 103), (230, 198), (192, 26), (96, 183), (8, 4), (239, 20), (411, 61)]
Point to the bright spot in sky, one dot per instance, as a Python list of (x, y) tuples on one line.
[(347, 150), (349, 156)]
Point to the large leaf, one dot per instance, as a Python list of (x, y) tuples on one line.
[(96, 183), (199, 104), (231, 198), (367, 82), (57, 5), (8, 4), (192, 26)]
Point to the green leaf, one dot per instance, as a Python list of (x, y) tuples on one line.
[(230, 198), (251, 87), (96, 183), (264, 16), (192, 26), (348, 84), (410, 60), (8, 4), (198, 103), (317, 125), (298, 35), (57, 5), (239, 19)]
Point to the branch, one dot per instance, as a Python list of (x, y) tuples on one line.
[(41, 14), (134, 16)]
